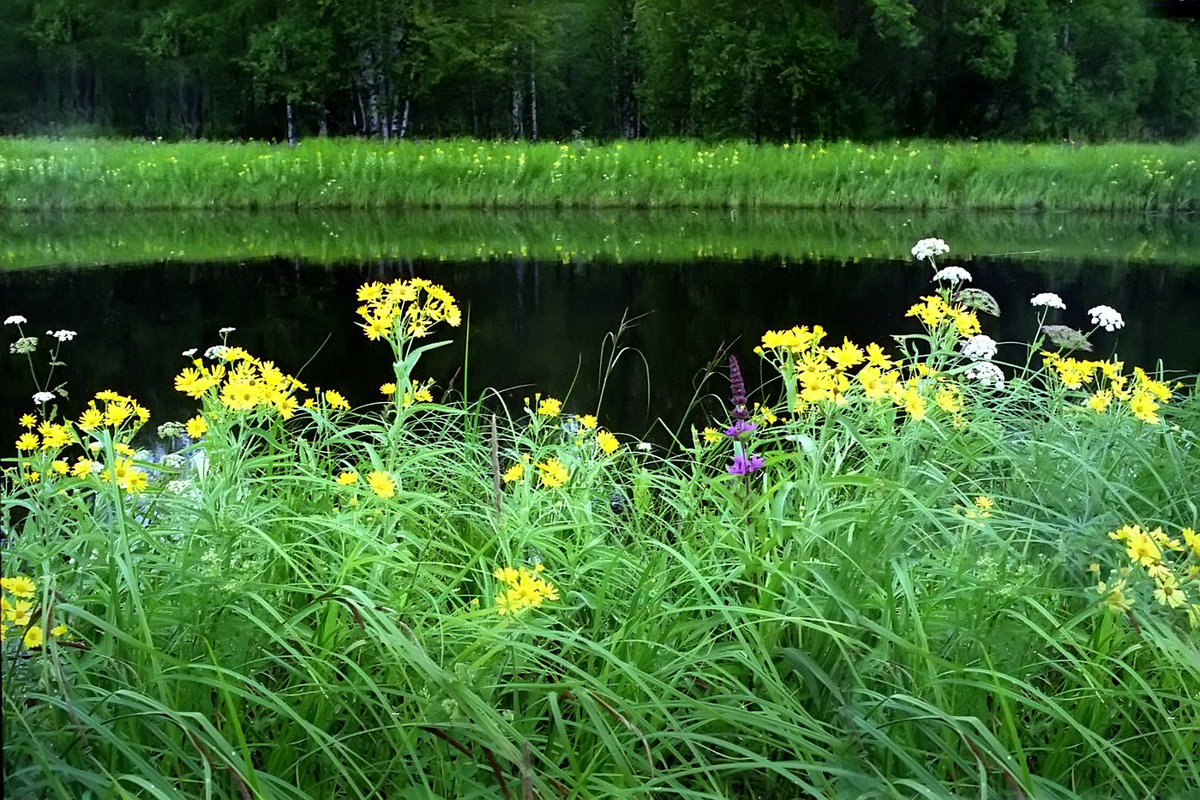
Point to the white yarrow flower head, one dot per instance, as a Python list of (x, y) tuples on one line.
[(928, 248), (224, 331), (42, 397), (1047, 300), (1107, 318), (215, 352), (644, 447), (955, 275), (15, 319), (986, 373), (62, 336), (191, 351), (979, 348)]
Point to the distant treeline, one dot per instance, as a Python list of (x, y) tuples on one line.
[(557, 69)]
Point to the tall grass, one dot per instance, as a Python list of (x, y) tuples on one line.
[(899, 602), (100, 174), (33, 240)]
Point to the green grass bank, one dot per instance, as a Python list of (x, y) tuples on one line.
[(43, 174), (80, 238), (885, 572)]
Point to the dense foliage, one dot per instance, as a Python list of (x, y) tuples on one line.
[(890, 571), (599, 68)]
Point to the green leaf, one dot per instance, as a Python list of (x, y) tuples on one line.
[(981, 300), (1067, 338)]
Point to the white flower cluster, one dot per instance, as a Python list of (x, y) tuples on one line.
[(15, 319), (979, 348), (191, 351), (986, 373), (1048, 300), (215, 352), (62, 336), (928, 248), (226, 331), (170, 430), (42, 397), (955, 275), (1106, 318)]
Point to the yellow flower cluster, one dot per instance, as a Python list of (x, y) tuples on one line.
[(526, 589), (119, 415), (380, 483), (416, 304), (934, 313), (553, 473), (815, 374), (980, 508), (1105, 382), (417, 393), (242, 383), (1174, 566), (587, 430), (16, 611)]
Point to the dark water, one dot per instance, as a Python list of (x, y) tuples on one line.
[(531, 326)]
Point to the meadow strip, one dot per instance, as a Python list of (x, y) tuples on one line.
[(349, 173)]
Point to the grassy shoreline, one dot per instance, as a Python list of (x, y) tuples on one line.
[(46, 240), (44, 174), (885, 568)]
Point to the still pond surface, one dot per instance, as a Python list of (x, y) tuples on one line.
[(536, 324)]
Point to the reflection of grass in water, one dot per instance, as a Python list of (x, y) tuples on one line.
[(901, 595), (624, 235), (349, 173)]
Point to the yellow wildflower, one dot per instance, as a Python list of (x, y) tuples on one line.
[(513, 473), (526, 589), (336, 400), (347, 478), (197, 426), (382, 484), (1169, 594), (19, 586), (91, 418), (549, 407), (33, 637), (27, 420), (607, 442), (1141, 549), (553, 473)]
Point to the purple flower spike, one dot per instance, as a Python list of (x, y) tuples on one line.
[(737, 390), (741, 465), (736, 430)]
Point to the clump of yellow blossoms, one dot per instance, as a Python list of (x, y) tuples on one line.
[(1172, 563), (553, 473), (815, 375), (408, 307), (16, 612), (241, 383), (935, 312), (109, 416), (418, 393), (525, 589), (1106, 382)]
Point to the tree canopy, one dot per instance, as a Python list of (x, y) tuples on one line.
[(747, 69)]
